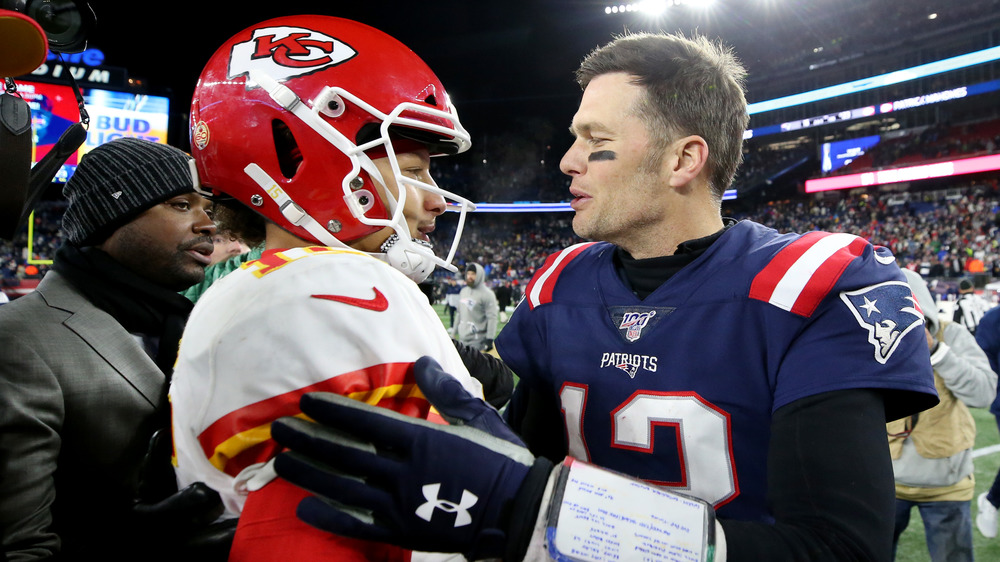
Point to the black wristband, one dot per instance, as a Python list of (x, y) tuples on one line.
[(524, 509)]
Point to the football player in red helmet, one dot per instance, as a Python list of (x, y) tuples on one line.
[(322, 129), (289, 116)]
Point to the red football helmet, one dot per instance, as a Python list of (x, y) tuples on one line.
[(282, 116)]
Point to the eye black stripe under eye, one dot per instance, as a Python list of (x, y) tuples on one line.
[(602, 155)]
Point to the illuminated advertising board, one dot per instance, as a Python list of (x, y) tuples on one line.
[(53, 110), (907, 174), (869, 111), (120, 114), (841, 153), (112, 114), (873, 82)]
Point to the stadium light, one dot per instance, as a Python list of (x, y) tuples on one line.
[(652, 8)]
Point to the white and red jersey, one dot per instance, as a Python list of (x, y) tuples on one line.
[(295, 321)]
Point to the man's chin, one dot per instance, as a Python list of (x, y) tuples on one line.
[(581, 228), (187, 278)]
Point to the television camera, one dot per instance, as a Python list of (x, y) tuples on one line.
[(29, 30)]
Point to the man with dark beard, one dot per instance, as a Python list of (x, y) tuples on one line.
[(87, 359)]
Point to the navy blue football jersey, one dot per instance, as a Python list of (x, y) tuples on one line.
[(678, 389)]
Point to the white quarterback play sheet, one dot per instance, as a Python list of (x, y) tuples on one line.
[(605, 516)]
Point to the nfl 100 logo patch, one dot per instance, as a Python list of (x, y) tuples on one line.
[(632, 321)]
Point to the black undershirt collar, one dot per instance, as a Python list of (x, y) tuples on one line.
[(643, 276)]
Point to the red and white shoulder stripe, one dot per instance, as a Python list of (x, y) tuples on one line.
[(800, 276), (542, 285)]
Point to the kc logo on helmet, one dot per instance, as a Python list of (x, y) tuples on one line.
[(286, 52)]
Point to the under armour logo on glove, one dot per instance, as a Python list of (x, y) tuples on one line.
[(460, 509), (365, 464)]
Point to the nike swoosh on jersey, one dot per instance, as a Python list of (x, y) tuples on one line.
[(379, 303)]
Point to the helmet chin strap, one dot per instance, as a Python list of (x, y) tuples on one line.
[(289, 209), (415, 258)]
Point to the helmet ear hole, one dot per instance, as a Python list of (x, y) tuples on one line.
[(288, 151), (431, 100), (365, 199)]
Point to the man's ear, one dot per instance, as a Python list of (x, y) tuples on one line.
[(688, 157)]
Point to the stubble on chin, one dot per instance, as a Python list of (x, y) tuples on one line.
[(183, 273), (580, 226)]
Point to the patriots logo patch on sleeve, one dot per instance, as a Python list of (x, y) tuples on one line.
[(887, 311)]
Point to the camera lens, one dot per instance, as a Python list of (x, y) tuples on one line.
[(66, 22), (59, 18)]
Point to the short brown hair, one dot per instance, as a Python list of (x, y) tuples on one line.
[(239, 220), (693, 87)]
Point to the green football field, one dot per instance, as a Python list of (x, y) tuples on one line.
[(912, 547)]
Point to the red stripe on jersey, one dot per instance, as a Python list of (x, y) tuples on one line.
[(826, 277), (258, 453), (764, 283), (265, 450), (542, 285), (238, 435), (806, 284), (539, 274)]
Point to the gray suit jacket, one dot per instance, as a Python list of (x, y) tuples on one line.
[(79, 399)]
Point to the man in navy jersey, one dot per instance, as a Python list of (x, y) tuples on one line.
[(718, 359)]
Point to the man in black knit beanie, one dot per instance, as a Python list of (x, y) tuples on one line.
[(87, 359)]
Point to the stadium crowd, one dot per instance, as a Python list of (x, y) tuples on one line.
[(942, 233), (946, 233)]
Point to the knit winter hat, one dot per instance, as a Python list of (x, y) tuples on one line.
[(117, 181)]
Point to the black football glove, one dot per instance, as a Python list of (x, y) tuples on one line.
[(168, 523), (378, 475)]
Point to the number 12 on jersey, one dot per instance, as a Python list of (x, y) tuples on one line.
[(703, 456)]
